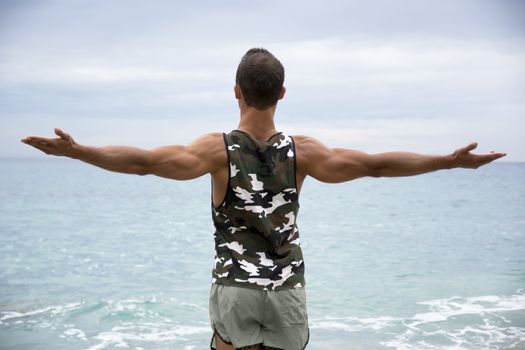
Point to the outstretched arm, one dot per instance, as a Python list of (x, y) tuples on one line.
[(174, 162), (338, 165)]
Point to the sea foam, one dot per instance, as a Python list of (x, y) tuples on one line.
[(478, 323)]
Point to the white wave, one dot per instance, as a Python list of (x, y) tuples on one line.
[(354, 324), (485, 331), (193, 305), (479, 323), (121, 336), (74, 332), (482, 337), (443, 309), (54, 310), (145, 325)]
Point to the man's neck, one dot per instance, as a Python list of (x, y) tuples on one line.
[(258, 123)]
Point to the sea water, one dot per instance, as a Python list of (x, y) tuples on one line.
[(95, 260)]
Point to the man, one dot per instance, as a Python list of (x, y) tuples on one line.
[(257, 299)]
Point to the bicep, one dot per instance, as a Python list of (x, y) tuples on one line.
[(333, 165), (175, 162), (183, 162)]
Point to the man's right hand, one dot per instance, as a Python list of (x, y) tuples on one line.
[(62, 146)]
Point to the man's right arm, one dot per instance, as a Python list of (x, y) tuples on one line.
[(174, 162), (334, 165)]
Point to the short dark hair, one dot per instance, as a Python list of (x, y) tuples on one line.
[(260, 76)]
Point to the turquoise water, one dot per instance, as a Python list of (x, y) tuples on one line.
[(96, 260)]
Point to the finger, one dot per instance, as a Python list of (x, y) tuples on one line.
[(48, 144), (496, 155), (38, 139), (470, 147), (62, 134), (489, 157), (27, 139), (41, 148)]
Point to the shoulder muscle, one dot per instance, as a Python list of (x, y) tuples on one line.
[(204, 155), (331, 164)]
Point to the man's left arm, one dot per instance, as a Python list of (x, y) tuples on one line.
[(333, 165), (391, 164)]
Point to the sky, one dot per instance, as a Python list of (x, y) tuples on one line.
[(417, 75)]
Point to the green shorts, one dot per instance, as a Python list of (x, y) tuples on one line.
[(246, 317)]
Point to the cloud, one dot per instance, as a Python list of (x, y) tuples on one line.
[(89, 73), (375, 70), (339, 62), (432, 136)]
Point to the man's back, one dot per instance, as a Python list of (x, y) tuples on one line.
[(256, 239)]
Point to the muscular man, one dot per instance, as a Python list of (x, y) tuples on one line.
[(257, 299)]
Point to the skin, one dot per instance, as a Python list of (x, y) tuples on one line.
[(207, 155)]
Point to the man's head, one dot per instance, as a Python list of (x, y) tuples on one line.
[(260, 77)]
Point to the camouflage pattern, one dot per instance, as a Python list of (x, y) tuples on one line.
[(256, 239)]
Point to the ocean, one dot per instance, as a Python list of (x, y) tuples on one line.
[(94, 260)]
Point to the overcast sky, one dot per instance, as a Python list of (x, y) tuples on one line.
[(423, 76)]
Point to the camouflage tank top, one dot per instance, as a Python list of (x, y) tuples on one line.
[(256, 237)]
